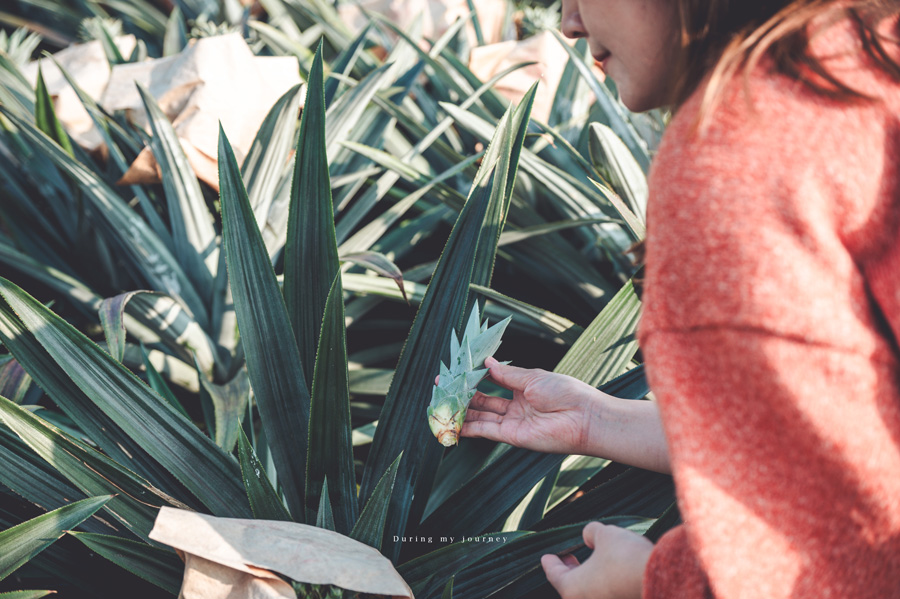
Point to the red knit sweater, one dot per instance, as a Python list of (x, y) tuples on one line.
[(772, 314)]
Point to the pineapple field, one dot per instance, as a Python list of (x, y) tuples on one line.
[(236, 253)]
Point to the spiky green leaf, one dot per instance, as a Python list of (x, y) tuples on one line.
[(192, 225), (330, 442), (273, 360), (310, 256), (208, 472), (268, 155), (135, 501), (45, 116), (77, 405), (21, 543), (369, 529), (156, 565), (264, 500)]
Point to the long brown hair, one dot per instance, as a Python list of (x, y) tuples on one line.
[(719, 38)]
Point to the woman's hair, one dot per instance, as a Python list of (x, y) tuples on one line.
[(721, 37)]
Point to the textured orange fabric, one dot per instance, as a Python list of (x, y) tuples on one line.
[(772, 313)]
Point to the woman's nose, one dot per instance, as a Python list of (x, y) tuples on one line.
[(570, 23)]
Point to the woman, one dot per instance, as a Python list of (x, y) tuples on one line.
[(771, 305)]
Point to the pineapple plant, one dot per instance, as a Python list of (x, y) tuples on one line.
[(267, 348)]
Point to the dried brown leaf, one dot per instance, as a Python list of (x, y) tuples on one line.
[(300, 552)]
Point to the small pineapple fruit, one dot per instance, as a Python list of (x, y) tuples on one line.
[(456, 386)]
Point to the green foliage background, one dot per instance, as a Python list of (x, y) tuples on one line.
[(136, 366)]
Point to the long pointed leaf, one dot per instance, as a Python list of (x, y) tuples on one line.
[(21, 543), (369, 529), (330, 441), (269, 152), (176, 35), (609, 154), (509, 148), (208, 472), (273, 360), (310, 256), (86, 414), (135, 501), (45, 116), (324, 515), (344, 62), (192, 227), (264, 501), (440, 312), (345, 112), (121, 225), (158, 566)]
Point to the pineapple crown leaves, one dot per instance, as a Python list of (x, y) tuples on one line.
[(456, 385), (478, 343)]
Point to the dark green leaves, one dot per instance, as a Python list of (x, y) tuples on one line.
[(45, 116), (441, 310), (370, 527), (192, 227), (89, 417), (310, 256), (135, 502), (264, 501), (159, 566), (211, 474), (21, 543), (330, 446), (273, 360)]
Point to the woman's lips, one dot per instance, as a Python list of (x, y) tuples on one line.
[(602, 58)]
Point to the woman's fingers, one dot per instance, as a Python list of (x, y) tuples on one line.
[(510, 377), (590, 532), (483, 429), (556, 570), (489, 403), (570, 560), (479, 416)]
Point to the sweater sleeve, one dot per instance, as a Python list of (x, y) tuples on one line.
[(673, 570), (771, 316), (785, 456)]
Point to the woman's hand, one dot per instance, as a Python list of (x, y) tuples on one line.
[(555, 413), (613, 571), (549, 412)]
